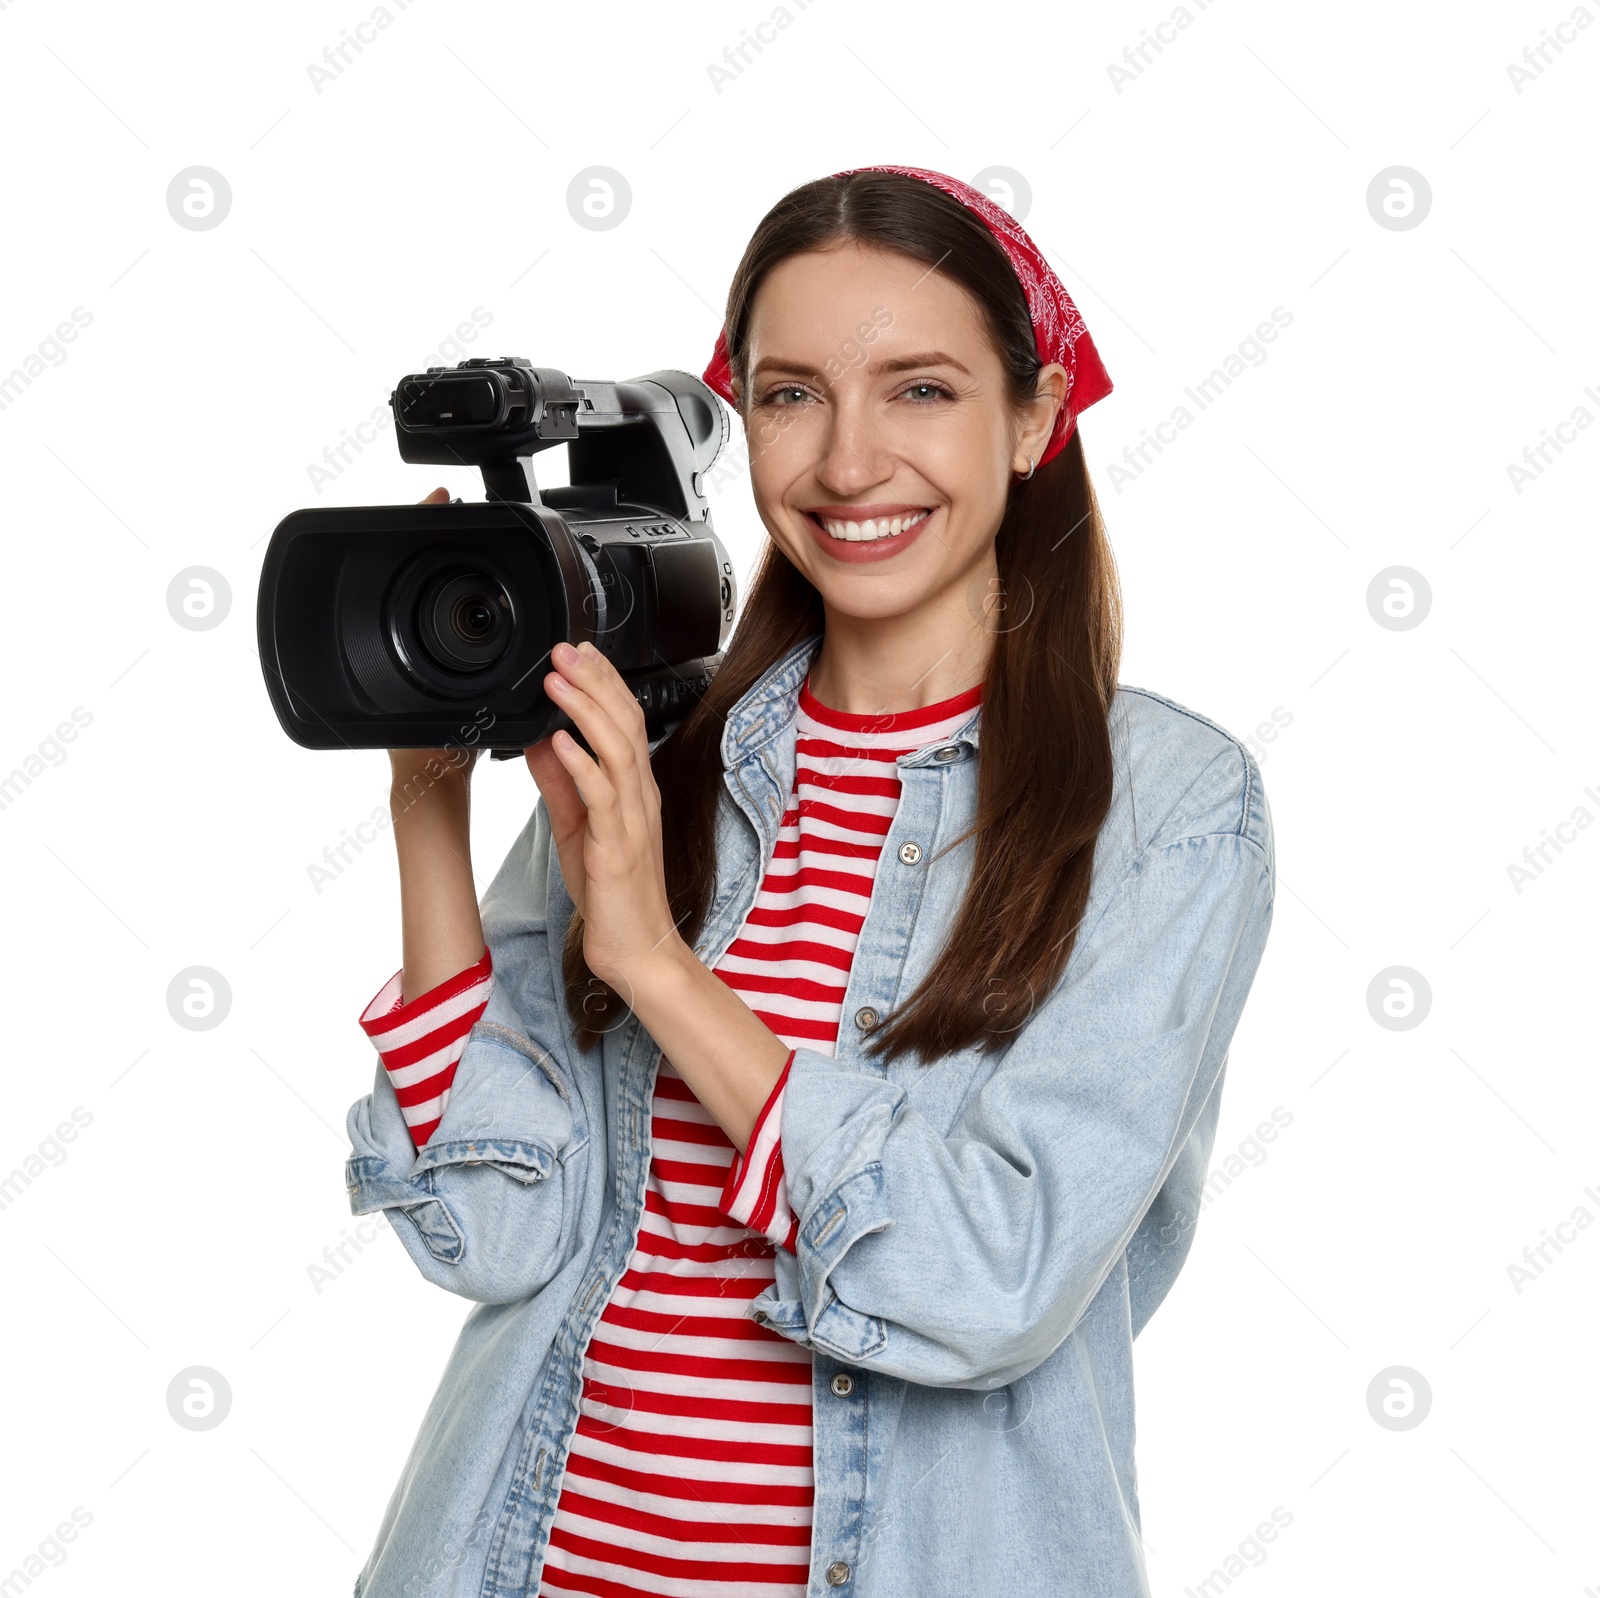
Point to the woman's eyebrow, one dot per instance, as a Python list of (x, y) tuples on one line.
[(903, 363), (906, 363)]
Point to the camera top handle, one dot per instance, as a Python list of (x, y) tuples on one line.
[(498, 413)]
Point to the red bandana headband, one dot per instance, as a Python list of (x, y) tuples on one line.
[(1058, 329)]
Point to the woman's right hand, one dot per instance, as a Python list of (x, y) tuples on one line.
[(430, 801)]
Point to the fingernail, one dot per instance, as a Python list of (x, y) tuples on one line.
[(563, 652)]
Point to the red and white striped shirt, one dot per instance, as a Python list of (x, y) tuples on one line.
[(690, 1472)]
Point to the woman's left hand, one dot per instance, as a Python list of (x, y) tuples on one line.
[(605, 816)]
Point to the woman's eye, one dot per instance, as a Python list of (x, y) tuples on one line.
[(919, 394)]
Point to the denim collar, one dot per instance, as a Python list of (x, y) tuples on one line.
[(768, 707)]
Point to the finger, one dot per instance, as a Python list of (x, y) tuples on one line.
[(568, 813), (601, 680), (438, 497), (596, 790), (617, 752)]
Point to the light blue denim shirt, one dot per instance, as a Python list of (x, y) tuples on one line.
[(980, 1239)]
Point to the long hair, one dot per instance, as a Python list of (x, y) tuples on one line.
[(1044, 758)]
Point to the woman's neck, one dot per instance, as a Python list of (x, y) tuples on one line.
[(872, 665)]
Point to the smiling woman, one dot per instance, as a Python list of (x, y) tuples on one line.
[(977, 551), (819, 1104)]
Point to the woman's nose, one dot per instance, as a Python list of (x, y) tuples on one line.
[(853, 454)]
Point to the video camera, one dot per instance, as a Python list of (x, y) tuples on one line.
[(430, 626)]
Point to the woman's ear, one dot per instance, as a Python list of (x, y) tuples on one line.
[(1050, 394)]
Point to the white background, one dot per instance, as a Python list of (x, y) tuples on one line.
[(1228, 177)]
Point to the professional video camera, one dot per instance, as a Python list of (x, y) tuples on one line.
[(430, 626)]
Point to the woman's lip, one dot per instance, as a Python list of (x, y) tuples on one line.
[(858, 550), (863, 513)]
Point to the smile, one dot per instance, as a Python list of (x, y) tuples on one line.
[(866, 532)]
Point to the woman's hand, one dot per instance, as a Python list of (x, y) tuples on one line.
[(605, 817)]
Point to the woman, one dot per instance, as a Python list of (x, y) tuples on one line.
[(819, 1107)]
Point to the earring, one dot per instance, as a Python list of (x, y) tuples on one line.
[(1022, 477)]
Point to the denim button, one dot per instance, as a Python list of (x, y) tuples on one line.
[(843, 1384), (866, 1018), (949, 752), (838, 1573), (910, 853)]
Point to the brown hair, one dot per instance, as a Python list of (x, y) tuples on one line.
[(1044, 758)]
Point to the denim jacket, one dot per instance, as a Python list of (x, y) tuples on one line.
[(980, 1239)]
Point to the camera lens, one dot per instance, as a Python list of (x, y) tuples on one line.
[(465, 621), (472, 618)]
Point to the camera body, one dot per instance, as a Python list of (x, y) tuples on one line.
[(430, 626)]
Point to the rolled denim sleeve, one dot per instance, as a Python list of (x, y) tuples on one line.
[(481, 1205), (965, 1260)]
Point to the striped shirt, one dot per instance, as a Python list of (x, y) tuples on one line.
[(690, 1471), (420, 1042)]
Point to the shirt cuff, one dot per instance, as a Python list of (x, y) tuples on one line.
[(755, 1193), (421, 1041)]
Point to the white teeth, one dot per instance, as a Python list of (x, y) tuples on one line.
[(865, 532)]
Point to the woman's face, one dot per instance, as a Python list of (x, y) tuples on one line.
[(877, 408)]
